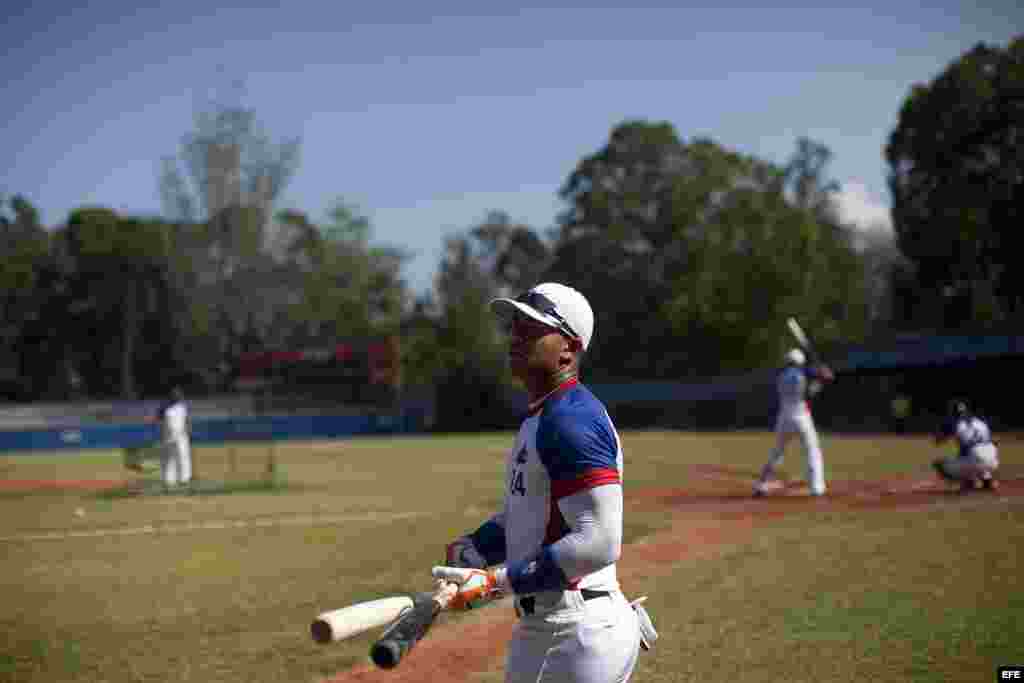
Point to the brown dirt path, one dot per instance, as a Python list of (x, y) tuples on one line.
[(701, 526)]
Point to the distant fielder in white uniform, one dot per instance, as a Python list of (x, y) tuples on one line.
[(559, 533), (796, 385), (176, 455), (977, 459)]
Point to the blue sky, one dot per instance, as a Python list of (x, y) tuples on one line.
[(427, 115)]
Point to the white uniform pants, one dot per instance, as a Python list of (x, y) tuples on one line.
[(176, 462), (979, 463), (575, 641), (799, 424)]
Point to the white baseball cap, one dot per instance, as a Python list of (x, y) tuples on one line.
[(796, 357), (555, 305)]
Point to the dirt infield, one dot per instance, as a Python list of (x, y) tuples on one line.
[(701, 526)]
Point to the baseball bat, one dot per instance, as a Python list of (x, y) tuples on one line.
[(350, 621), (801, 338), (396, 642)]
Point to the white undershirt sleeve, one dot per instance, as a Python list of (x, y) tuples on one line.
[(594, 540)]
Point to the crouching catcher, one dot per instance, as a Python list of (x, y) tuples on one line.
[(976, 461)]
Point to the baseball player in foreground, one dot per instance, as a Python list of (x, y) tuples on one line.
[(977, 459), (559, 533), (176, 454), (796, 385)]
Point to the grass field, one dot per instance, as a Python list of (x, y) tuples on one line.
[(889, 584)]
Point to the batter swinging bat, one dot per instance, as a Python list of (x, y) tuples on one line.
[(411, 626), (350, 621)]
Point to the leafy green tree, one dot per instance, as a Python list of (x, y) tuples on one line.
[(226, 160), (759, 259), (24, 243), (468, 354), (693, 254), (465, 286), (419, 332), (121, 291), (514, 254), (227, 177), (346, 225), (344, 285), (956, 173), (622, 242), (25, 269), (807, 182)]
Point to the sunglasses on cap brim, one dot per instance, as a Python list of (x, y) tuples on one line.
[(547, 307)]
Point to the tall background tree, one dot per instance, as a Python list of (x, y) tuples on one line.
[(344, 286), (693, 253), (514, 254), (123, 302), (468, 354), (28, 278), (452, 341), (221, 189), (956, 174)]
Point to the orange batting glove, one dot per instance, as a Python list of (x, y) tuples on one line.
[(476, 586)]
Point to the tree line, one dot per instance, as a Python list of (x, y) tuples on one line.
[(691, 253)]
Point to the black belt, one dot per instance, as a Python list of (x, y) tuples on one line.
[(528, 603)]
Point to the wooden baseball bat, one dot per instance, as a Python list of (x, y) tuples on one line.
[(350, 621), (801, 338)]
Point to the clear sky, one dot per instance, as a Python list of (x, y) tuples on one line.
[(428, 114)]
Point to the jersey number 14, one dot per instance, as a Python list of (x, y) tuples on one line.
[(517, 487)]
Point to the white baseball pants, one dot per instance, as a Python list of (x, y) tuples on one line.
[(801, 424), (575, 641), (176, 462)]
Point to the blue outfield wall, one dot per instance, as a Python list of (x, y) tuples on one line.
[(213, 430)]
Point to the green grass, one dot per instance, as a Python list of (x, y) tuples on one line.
[(150, 486), (876, 595), (203, 587)]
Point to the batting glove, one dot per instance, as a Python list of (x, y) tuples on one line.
[(462, 553), (476, 586)]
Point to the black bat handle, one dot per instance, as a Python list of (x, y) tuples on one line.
[(387, 653), (401, 636)]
